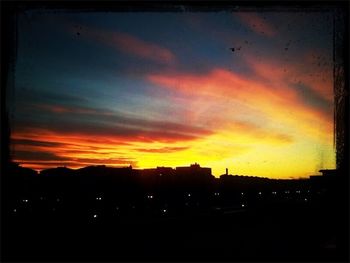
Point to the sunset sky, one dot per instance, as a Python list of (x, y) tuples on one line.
[(164, 89)]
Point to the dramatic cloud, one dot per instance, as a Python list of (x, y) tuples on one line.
[(105, 123), (93, 136), (38, 154), (42, 156), (265, 96)]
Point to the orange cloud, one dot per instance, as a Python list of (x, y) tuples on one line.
[(257, 24), (276, 99), (310, 73)]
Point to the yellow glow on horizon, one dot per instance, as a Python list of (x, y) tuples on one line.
[(241, 153)]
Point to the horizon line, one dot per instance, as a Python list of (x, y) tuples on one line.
[(174, 168)]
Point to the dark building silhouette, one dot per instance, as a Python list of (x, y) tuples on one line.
[(193, 170)]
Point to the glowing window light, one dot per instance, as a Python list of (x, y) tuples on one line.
[(94, 216), (164, 211), (243, 205), (189, 195), (98, 198), (242, 193), (25, 200), (259, 193)]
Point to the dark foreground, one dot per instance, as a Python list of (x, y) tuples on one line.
[(302, 232), (109, 214)]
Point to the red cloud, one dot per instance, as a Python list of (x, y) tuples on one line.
[(130, 44), (257, 24), (142, 48), (114, 135), (39, 145)]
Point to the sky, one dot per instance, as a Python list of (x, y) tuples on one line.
[(152, 89)]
